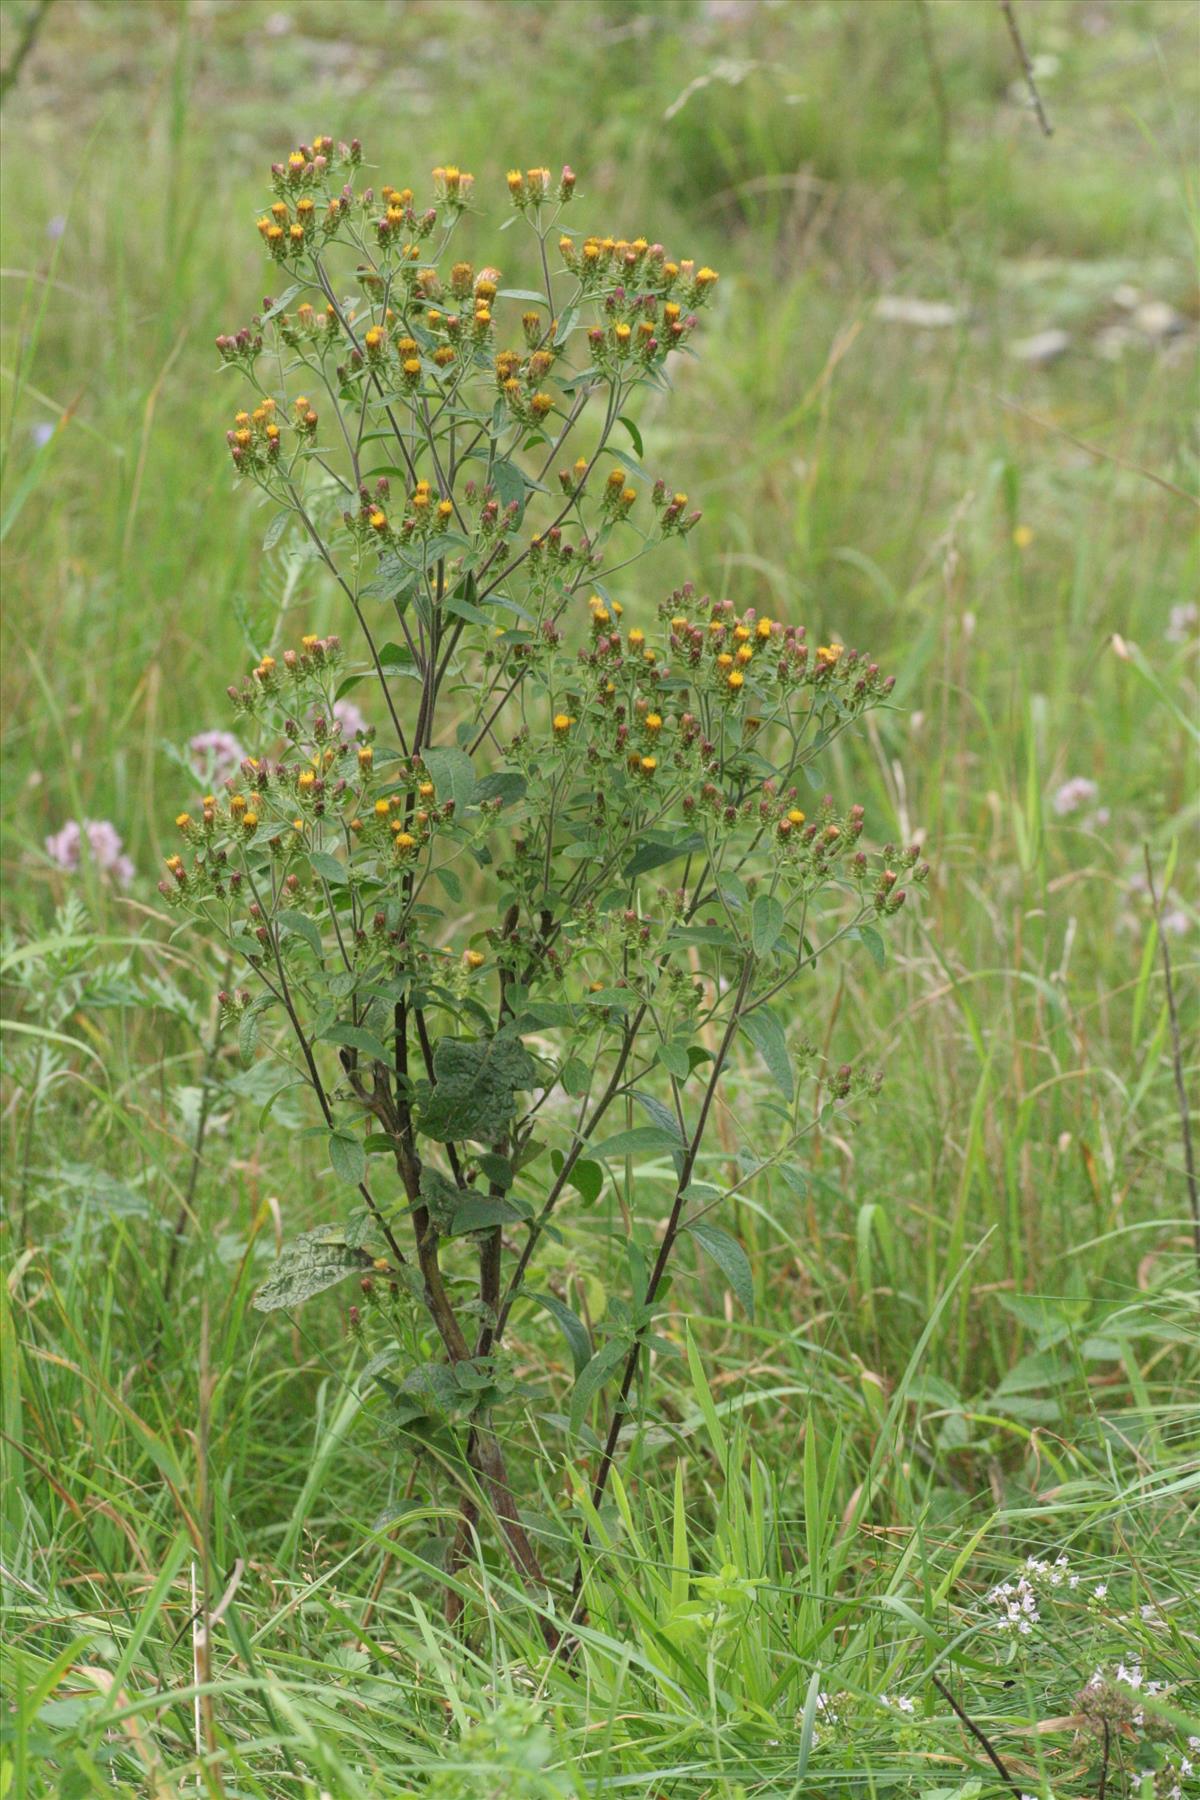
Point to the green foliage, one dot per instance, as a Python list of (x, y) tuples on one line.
[(842, 1503)]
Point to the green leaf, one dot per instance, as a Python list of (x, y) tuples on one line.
[(730, 1258), (475, 1087), (635, 438), (316, 1260), (655, 852), (674, 1059), (505, 786), (281, 305), (479, 1212), (587, 1178), (662, 1115), (509, 484), (575, 1076), (766, 924), (304, 927), (248, 1029), (497, 1169), (650, 1140), (463, 609), (592, 1378), (357, 1037), (529, 294), (453, 776), (451, 883), (396, 656), (566, 325), (328, 868), (871, 938), (442, 1196), (767, 1035), (347, 1157), (571, 1326), (276, 528)]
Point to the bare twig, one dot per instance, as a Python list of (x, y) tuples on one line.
[(979, 1735), (1185, 1119), (33, 25), (1014, 32)]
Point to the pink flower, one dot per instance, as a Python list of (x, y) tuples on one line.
[(349, 718), (104, 847), (214, 755), (1073, 794)]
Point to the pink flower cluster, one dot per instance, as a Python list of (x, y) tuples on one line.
[(105, 848)]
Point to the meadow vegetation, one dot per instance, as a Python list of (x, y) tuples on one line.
[(913, 1505)]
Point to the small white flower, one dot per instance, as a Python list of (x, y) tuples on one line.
[(1100, 1590)]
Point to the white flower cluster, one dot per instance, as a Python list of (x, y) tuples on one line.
[(1016, 1604), (1130, 1675)]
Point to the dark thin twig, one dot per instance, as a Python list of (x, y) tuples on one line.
[(1014, 32), (1103, 1789), (980, 1737), (29, 36), (1185, 1119)]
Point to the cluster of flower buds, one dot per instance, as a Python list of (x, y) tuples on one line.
[(533, 188), (551, 556), (847, 1083), (289, 229), (309, 164), (315, 657), (305, 326), (231, 1006), (241, 347), (595, 260), (617, 499), (453, 187), (254, 441), (400, 223), (673, 517), (889, 896)]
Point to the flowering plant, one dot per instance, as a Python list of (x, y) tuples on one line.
[(517, 934)]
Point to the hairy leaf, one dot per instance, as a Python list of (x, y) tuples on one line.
[(730, 1258), (347, 1157), (766, 924), (314, 1261), (476, 1082), (453, 776), (766, 1034)]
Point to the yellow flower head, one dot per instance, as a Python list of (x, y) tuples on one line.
[(562, 723), (734, 681)]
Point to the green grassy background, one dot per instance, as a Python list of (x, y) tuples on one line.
[(985, 1306)]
